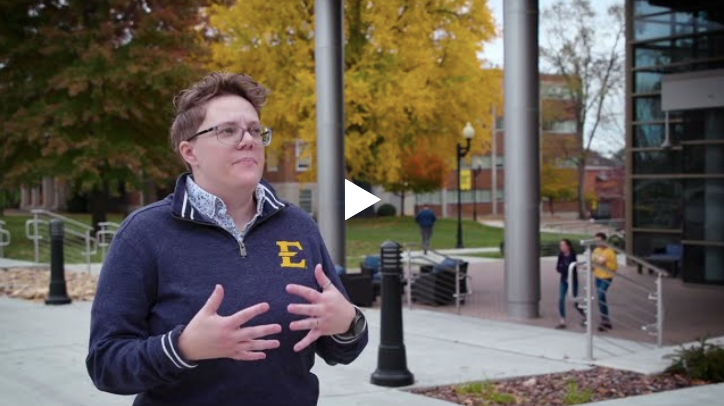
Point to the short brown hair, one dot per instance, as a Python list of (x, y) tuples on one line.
[(191, 103)]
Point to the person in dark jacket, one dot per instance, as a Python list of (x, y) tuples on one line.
[(566, 257), (221, 293), (425, 218)]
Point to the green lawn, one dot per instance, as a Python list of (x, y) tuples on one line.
[(364, 236)]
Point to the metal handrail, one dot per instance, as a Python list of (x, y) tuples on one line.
[(66, 220), (105, 235), (4, 237), (428, 261), (90, 243), (648, 265), (657, 329)]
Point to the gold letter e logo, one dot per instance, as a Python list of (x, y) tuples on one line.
[(287, 255)]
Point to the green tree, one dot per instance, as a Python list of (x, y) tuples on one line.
[(87, 88), (412, 75), (557, 184)]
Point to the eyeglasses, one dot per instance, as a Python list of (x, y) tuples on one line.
[(232, 134)]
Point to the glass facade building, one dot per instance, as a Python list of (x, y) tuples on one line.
[(675, 157)]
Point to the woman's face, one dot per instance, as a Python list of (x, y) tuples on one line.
[(227, 167), (564, 247)]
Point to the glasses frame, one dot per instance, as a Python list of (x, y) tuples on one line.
[(265, 130)]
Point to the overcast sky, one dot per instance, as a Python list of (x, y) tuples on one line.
[(606, 142)]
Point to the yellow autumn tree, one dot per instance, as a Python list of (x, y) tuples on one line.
[(412, 74)]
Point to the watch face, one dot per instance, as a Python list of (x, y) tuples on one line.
[(358, 324)]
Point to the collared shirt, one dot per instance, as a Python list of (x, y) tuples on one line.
[(215, 209)]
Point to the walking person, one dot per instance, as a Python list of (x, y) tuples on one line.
[(426, 220), (566, 257), (605, 265)]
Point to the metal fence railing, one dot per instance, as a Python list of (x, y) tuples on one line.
[(79, 244), (435, 279), (105, 235), (644, 300), (4, 238)]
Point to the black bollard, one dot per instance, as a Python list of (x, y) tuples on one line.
[(58, 293), (391, 360)]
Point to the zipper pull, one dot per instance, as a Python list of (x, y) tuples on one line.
[(242, 249)]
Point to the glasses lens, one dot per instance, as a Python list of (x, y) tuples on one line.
[(229, 134), (266, 136)]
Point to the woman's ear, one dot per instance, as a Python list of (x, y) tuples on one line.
[(187, 153)]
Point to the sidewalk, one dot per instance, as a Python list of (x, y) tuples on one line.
[(44, 348)]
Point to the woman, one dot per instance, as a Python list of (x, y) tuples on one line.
[(221, 293), (566, 257)]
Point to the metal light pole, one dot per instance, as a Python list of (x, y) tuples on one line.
[(468, 133), (476, 171), (494, 163)]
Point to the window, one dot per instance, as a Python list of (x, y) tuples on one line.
[(703, 264), (305, 200), (657, 203), (699, 159), (652, 135), (642, 7), (653, 54), (647, 109), (303, 156), (568, 126), (646, 82), (499, 122), (646, 244), (703, 211), (657, 162), (429, 198), (555, 91)]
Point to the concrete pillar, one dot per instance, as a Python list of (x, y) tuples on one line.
[(329, 71), (24, 197), (48, 193), (522, 217), (34, 197)]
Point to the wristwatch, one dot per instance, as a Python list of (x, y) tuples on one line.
[(356, 328)]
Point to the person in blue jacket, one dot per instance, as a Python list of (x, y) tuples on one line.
[(221, 293), (566, 257), (425, 218)]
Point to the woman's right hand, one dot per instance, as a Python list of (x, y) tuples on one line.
[(209, 335)]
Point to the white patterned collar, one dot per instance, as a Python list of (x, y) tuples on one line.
[(215, 209)]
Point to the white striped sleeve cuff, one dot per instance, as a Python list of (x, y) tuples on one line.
[(169, 348)]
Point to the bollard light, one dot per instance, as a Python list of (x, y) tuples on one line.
[(57, 294), (391, 360)]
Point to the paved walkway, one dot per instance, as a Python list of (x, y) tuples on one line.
[(43, 350)]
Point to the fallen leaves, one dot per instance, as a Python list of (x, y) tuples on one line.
[(33, 284), (571, 387)]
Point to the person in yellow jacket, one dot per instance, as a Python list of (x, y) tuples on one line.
[(604, 266)]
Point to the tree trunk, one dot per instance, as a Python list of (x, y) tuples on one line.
[(550, 206), (582, 212), (99, 206)]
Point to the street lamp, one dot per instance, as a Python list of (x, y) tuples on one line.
[(468, 134), (476, 169)]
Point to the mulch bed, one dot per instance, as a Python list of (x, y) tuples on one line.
[(33, 284), (574, 387)]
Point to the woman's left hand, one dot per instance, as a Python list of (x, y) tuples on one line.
[(329, 311)]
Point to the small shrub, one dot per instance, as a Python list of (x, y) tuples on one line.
[(475, 388), (387, 210), (703, 362), (487, 392), (575, 396)]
